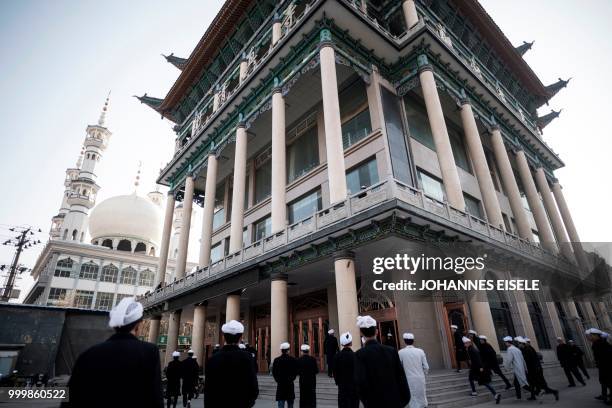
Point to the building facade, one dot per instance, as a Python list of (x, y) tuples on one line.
[(319, 134)]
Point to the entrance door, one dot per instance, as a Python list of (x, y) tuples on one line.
[(456, 313), (309, 331)]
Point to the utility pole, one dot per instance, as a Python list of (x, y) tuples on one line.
[(22, 241)]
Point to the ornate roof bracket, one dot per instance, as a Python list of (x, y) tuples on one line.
[(176, 61), (153, 103), (553, 89), (524, 47), (543, 121)]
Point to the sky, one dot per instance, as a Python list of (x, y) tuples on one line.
[(60, 59)]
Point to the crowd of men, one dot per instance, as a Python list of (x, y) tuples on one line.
[(124, 371)]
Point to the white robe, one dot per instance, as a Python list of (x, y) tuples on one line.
[(415, 366), (514, 361)]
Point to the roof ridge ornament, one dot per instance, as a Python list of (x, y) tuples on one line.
[(554, 88), (102, 118), (150, 101), (178, 62), (524, 47), (543, 121)]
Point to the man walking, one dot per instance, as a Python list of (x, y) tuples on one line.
[(568, 362), (122, 371), (602, 353), (307, 370), (478, 372), (173, 380), (330, 347), (577, 355), (460, 352), (416, 368), (489, 359), (514, 361), (379, 375), (284, 370), (230, 379), (191, 375), (535, 374), (344, 373)]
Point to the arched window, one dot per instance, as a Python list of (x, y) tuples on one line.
[(109, 273), (502, 316), (74, 235), (152, 251), (124, 245), (128, 276), (63, 268), (140, 247), (146, 278), (537, 320), (89, 270), (108, 243)]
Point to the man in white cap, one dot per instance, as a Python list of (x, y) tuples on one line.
[(379, 375), (344, 373), (230, 379), (460, 351), (489, 359), (173, 380), (122, 371), (284, 370), (535, 373), (473, 336), (416, 368), (307, 370), (191, 378), (478, 372), (330, 348), (602, 354), (514, 361), (568, 362)]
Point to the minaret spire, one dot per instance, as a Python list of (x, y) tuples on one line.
[(104, 109), (137, 179)]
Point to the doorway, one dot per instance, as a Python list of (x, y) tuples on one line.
[(456, 313)]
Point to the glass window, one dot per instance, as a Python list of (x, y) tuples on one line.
[(109, 273), (395, 135), (216, 252), (121, 296), (263, 181), (418, 122), (262, 229), (354, 112), (304, 206), (459, 153), (539, 327), (57, 297), (104, 300), (431, 186), (89, 270), (63, 268), (536, 236), (83, 299), (568, 333), (219, 211), (356, 128), (362, 175), (128, 276), (146, 278), (507, 223), (302, 154), (472, 206), (502, 316)]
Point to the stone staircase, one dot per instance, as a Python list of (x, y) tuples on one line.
[(445, 388)]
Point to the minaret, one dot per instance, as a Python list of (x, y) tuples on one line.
[(81, 188)]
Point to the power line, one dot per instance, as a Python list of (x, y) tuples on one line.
[(24, 240)]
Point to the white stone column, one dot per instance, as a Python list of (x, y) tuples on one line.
[(198, 335), (410, 13), (162, 262), (277, 31), (174, 324), (605, 316), (232, 307), (244, 69), (481, 167), (154, 323), (553, 214), (336, 170), (238, 191), (554, 319), (181, 258), (523, 309), (569, 225), (279, 158), (346, 295), (510, 185), (446, 160), (208, 211), (279, 314), (544, 231)]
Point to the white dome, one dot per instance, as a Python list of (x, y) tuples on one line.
[(126, 216)]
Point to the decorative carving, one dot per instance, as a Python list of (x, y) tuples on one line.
[(443, 36), (408, 86), (475, 67), (288, 18)]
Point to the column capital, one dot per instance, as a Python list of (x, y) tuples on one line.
[(279, 276), (325, 37), (276, 18), (344, 255), (423, 63), (463, 98), (277, 86)]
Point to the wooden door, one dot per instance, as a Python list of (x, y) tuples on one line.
[(456, 313)]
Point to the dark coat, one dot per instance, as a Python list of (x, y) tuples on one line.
[(535, 374), (602, 353), (476, 364), (460, 352), (330, 346), (173, 377), (488, 356), (380, 377), (344, 376), (308, 369), (576, 353), (284, 370), (230, 380), (565, 355), (120, 372), (190, 372)]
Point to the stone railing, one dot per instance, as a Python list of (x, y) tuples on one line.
[(368, 198)]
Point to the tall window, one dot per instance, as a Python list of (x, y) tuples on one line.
[(472, 206), (398, 150), (104, 300), (418, 123), (83, 299), (146, 278), (502, 317), (356, 128), (362, 176), (302, 154), (63, 268), (262, 228), (219, 211), (57, 296), (304, 206), (109, 273), (128, 276), (89, 270), (458, 147), (568, 332), (354, 112), (216, 252), (539, 327), (263, 177), (431, 186)]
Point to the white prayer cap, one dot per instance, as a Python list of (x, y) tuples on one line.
[(472, 332), (241, 346), (362, 340), (284, 346), (190, 351), (593, 330), (559, 338), (346, 338), (176, 354), (217, 345), (465, 340), (364, 322), (232, 327), (454, 326), (527, 339), (520, 339), (570, 341), (482, 337), (507, 338), (330, 331), (127, 311), (305, 347), (408, 336)]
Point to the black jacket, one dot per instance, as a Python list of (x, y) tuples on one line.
[(344, 375), (284, 370), (173, 378), (120, 372), (488, 356), (565, 355), (190, 372), (380, 377), (602, 353), (307, 370), (330, 345), (476, 363), (230, 379)]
